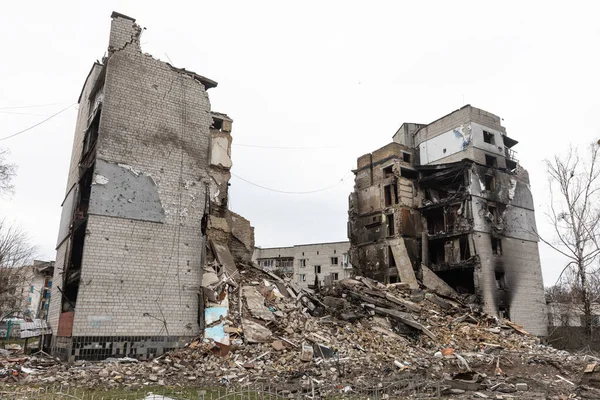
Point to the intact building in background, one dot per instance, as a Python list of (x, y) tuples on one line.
[(28, 295), (450, 198), (145, 208), (305, 262)]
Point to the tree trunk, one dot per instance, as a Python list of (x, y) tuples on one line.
[(585, 298)]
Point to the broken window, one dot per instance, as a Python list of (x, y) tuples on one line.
[(490, 182), (488, 137), (462, 280), (302, 263), (335, 276), (409, 173), (435, 221), (496, 246), (388, 171), (390, 194), (492, 214), (491, 161), (334, 261), (392, 260), (91, 136), (390, 224), (503, 312), (317, 269), (302, 277), (500, 280), (217, 124), (406, 157)]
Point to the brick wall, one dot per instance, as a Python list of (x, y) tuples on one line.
[(140, 278)]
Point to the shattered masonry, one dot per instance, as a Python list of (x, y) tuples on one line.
[(448, 203), (145, 207)]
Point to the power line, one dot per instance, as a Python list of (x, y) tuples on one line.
[(21, 113), (286, 192), (285, 147), (40, 105), (38, 124)]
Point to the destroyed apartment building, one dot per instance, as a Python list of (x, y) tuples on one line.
[(448, 204), (145, 210)]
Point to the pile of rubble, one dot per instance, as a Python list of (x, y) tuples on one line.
[(354, 332)]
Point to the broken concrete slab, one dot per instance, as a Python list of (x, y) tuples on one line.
[(405, 303), (335, 302), (433, 282), (256, 304), (405, 319), (438, 301), (254, 332), (403, 263), (224, 257)]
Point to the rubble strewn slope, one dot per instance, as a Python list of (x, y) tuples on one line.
[(355, 332)]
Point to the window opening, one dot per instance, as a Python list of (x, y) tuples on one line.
[(491, 161), (490, 182), (496, 246), (388, 171), (390, 224), (488, 137), (500, 280)]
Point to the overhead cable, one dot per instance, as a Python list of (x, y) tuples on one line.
[(39, 105), (38, 124), (288, 192)]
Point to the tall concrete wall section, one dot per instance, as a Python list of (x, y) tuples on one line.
[(148, 158), (513, 281), (152, 161)]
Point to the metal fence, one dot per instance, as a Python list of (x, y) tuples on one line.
[(413, 388)]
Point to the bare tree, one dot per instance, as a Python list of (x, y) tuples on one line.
[(15, 252), (7, 172), (574, 211)]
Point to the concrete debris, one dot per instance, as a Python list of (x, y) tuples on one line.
[(255, 333), (256, 304), (403, 264), (396, 333), (433, 282)]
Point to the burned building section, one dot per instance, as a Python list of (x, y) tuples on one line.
[(447, 205), (146, 208)]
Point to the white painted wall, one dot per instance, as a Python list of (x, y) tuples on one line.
[(477, 138), (448, 143)]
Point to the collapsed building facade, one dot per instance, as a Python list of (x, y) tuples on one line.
[(448, 200), (145, 208)]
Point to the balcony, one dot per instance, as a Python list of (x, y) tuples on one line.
[(511, 158)]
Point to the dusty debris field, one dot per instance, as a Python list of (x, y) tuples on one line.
[(353, 339)]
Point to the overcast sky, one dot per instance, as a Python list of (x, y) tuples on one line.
[(338, 77)]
